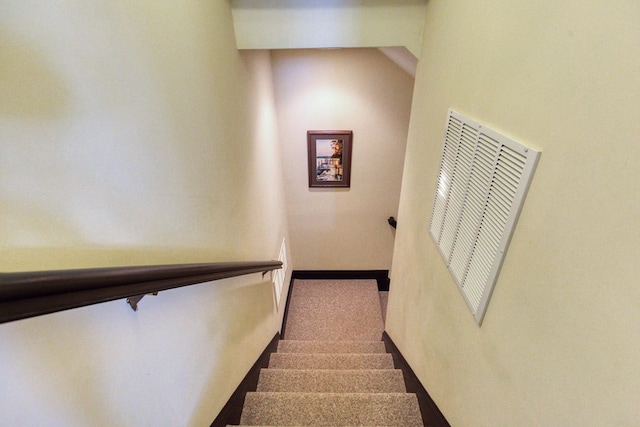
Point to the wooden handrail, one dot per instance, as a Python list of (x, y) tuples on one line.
[(29, 294)]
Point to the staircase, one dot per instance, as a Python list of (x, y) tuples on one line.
[(326, 383), (348, 381)]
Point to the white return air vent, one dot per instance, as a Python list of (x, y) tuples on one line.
[(482, 183)]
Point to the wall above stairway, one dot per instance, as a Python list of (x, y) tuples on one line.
[(359, 90), (295, 24)]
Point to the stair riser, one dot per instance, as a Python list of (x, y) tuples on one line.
[(334, 361), (317, 347), (332, 381)]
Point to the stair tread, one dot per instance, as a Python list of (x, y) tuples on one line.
[(324, 409), (300, 346), (334, 310), (331, 361), (332, 380)]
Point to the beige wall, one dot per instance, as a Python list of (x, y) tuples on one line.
[(295, 24), (559, 342), (134, 134), (352, 89)]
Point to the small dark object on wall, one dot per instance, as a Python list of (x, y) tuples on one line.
[(392, 222)]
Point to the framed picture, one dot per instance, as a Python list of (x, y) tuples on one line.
[(329, 158)]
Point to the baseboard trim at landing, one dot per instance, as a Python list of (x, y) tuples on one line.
[(431, 414), (380, 276), (232, 411)]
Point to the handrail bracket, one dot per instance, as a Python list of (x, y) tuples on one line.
[(134, 300)]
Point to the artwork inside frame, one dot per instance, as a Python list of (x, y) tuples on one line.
[(329, 155)]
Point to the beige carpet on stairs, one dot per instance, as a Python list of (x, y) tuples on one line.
[(332, 368), (340, 310)]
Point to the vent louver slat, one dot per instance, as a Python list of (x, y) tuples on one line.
[(456, 176), (447, 166), (482, 182)]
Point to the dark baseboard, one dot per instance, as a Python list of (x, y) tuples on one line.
[(381, 276), (286, 307), (431, 415), (231, 412)]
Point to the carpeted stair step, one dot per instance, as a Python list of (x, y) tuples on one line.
[(331, 409), (334, 369), (332, 381), (342, 310), (330, 361), (293, 346)]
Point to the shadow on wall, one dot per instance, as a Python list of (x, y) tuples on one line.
[(28, 86), (72, 359), (77, 168), (245, 312), (178, 355)]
